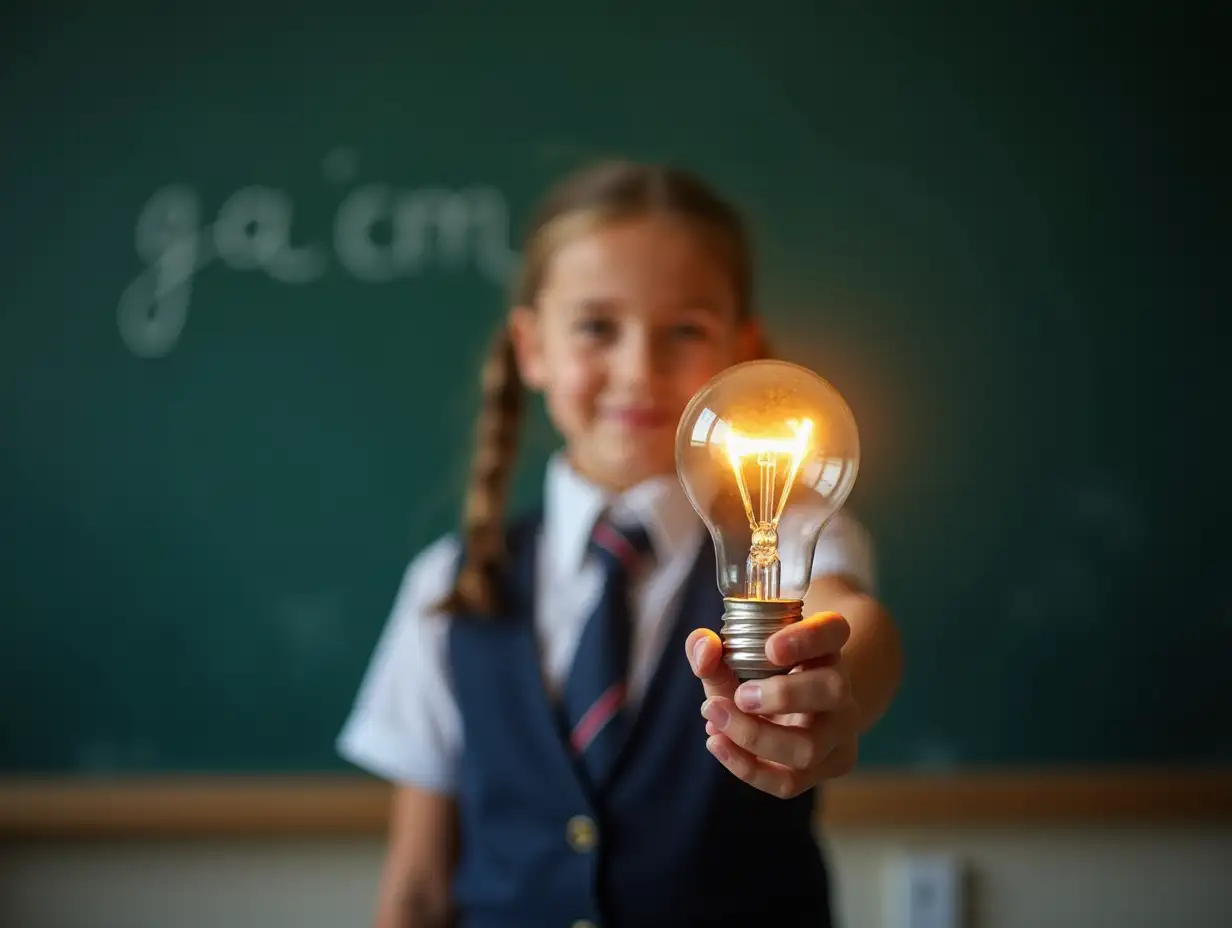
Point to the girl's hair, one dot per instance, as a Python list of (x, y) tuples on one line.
[(607, 192)]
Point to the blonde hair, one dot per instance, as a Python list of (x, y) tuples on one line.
[(607, 192)]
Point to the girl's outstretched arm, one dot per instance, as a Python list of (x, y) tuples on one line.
[(873, 652)]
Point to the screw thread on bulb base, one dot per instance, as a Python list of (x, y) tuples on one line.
[(747, 624)]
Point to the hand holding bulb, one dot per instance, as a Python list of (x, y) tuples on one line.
[(768, 452), (787, 733)]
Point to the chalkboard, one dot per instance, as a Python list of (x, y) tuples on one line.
[(249, 264)]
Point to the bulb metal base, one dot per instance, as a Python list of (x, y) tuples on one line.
[(747, 624)]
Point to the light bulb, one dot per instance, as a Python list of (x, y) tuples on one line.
[(767, 452)]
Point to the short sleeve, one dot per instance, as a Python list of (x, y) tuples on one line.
[(845, 548), (404, 725)]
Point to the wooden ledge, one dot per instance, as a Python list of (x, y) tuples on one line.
[(1024, 799), (276, 806)]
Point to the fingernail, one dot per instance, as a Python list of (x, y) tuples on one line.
[(717, 714), (699, 651), (716, 747), (748, 697)]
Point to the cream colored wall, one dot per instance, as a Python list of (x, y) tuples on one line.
[(1123, 878), (1118, 878)]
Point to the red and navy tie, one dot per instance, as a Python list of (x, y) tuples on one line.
[(594, 694)]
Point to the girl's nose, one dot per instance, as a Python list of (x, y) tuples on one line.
[(637, 360)]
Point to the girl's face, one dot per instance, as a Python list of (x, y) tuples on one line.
[(631, 320)]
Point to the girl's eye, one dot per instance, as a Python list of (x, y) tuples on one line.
[(689, 331), (596, 327)]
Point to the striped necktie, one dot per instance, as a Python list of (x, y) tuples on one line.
[(595, 691)]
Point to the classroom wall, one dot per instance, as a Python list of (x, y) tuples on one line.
[(1077, 878)]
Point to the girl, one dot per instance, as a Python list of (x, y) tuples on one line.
[(535, 696)]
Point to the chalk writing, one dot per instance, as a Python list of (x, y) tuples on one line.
[(449, 229)]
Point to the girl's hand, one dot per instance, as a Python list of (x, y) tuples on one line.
[(785, 734)]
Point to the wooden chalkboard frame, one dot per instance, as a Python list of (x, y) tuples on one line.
[(350, 806)]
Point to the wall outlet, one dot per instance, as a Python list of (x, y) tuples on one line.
[(927, 891)]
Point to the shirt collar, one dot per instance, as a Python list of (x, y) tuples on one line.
[(572, 505)]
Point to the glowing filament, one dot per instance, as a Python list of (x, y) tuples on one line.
[(763, 564), (768, 451)]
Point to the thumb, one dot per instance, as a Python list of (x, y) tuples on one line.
[(705, 652)]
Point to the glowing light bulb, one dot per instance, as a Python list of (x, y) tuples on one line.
[(767, 452)]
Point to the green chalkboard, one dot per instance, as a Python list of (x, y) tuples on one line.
[(248, 265)]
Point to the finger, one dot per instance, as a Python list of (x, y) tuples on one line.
[(705, 652), (793, 719), (768, 777), (817, 636), (840, 761), (834, 733), (819, 689), (792, 747)]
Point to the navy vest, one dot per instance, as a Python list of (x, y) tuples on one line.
[(673, 840)]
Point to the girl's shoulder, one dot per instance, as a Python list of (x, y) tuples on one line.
[(430, 576), (846, 547), (437, 557), (427, 579)]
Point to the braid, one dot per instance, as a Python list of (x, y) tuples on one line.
[(476, 589)]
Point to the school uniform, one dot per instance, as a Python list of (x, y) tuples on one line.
[(471, 707)]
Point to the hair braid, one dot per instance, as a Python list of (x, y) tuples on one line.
[(477, 586)]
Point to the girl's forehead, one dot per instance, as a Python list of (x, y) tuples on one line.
[(662, 254)]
